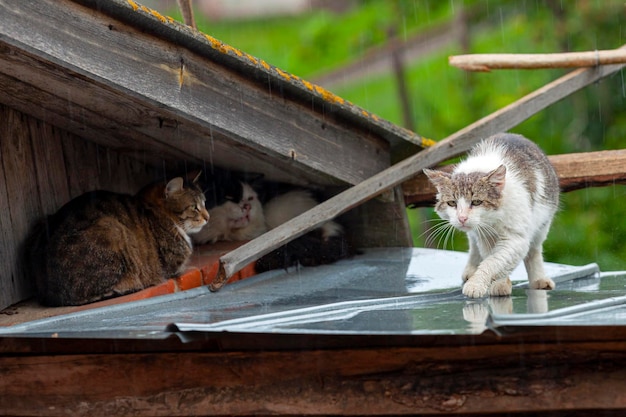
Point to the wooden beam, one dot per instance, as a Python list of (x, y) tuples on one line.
[(592, 169), (575, 171), (457, 143), (529, 377), (139, 82), (487, 62)]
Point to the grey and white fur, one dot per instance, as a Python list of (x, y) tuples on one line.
[(504, 196)]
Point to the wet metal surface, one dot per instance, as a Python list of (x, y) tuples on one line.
[(384, 291)]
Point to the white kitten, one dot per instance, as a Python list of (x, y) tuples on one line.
[(504, 196), (241, 220), (286, 206)]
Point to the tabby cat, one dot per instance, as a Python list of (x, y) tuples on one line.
[(504, 196), (104, 244)]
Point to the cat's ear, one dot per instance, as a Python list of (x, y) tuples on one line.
[(436, 177), (497, 177), (173, 187)]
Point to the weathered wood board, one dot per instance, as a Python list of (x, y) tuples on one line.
[(124, 87), (404, 376)]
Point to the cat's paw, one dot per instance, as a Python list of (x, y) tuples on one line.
[(501, 288), (468, 271), (542, 284), (474, 288)]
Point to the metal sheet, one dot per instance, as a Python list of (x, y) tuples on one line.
[(383, 291)]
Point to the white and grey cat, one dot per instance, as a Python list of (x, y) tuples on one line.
[(237, 213), (504, 196)]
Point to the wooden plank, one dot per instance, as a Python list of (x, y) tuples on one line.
[(123, 174), (590, 169), (8, 292), (487, 62), (575, 171), (22, 197), (81, 165), (52, 185), (143, 83), (453, 145), (531, 377)]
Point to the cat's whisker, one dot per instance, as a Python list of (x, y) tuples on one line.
[(449, 237), (438, 224), (436, 232), (441, 232)]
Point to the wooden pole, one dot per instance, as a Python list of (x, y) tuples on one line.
[(453, 145), (186, 10), (487, 62)]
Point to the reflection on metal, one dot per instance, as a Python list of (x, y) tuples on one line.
[(407, 291)]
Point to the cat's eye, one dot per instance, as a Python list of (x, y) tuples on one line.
[(476, 202), (451, 203)]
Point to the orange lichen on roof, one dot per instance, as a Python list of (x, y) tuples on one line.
[(328, 96), (159, 16), (222, 47), (252, 59), (427, 143), (154, 13), (284, 74), (265, 65), (325, 94)]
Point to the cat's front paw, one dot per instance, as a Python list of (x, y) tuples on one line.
[(501, 288), (468, 271), (474, 288), (542, 284)]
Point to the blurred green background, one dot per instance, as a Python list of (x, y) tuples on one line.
[(590, 226)]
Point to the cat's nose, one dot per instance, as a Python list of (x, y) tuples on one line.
[(462, 219)]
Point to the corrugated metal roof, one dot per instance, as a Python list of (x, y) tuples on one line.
[(394, 291)]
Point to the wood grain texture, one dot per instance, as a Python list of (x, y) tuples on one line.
[(108, 78), (488, 62), (22, 198), (52, 184), (575, 171), (8, 291), (530, 377)]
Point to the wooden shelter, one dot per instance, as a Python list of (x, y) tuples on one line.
[(110, 94)]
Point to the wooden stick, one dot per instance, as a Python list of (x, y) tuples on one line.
[(186, 10), (575, 171), (487, 62), (453, 145)]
